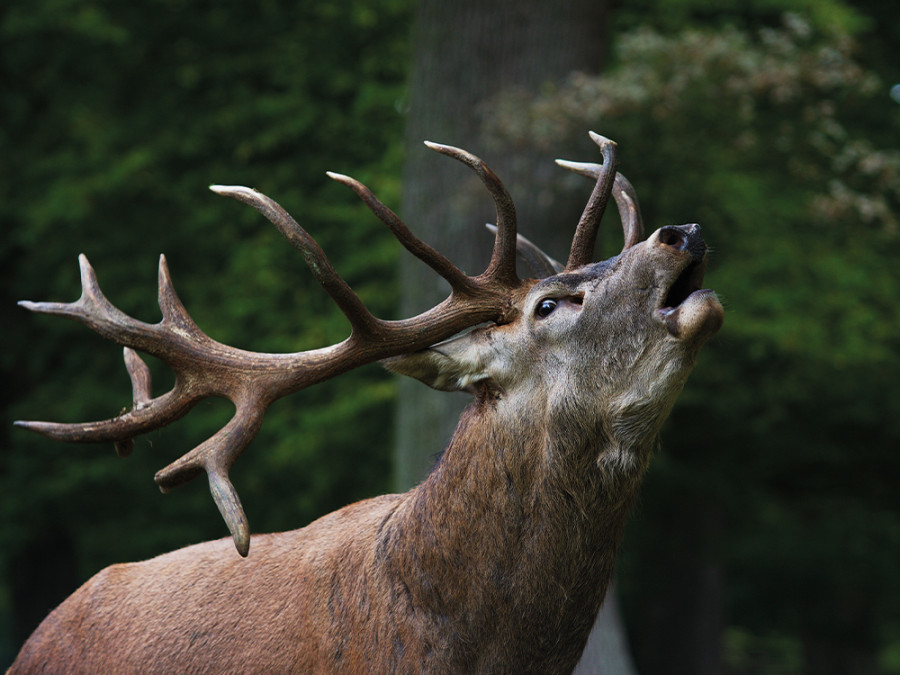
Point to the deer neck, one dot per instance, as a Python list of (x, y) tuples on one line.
[(520, 526)]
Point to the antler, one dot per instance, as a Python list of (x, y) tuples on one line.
[(623, 192), (205, 368), (541, 264)]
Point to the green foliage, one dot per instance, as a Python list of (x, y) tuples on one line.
[(828, 16), (116, 116), (785, 442), (744, 652)]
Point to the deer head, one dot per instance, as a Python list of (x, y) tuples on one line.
[(599, 350)]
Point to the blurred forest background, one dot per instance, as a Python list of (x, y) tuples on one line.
[(767, 538)]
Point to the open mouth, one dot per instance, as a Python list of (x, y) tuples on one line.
[(688, 310), (687, 282)]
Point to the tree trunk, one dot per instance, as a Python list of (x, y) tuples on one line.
[(466, 52)]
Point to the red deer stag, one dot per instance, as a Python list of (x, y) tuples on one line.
[(499, 560)]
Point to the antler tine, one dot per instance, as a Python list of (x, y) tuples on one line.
[(141, 388), (541, 264), (586, 234), (88, 308), (96, 312), (215, 456), (159, 412), (361, 320), (624, 194), (427, 254), (629, 211), (503, 258)]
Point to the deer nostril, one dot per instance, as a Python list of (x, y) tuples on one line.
[(672, 236)]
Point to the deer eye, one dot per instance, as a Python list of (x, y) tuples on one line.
[(545, 307)]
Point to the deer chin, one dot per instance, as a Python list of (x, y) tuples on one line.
[(697, 318)]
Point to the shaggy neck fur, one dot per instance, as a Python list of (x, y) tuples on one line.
[(511, 543)]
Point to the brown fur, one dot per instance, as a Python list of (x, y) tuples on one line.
[(496, 563)]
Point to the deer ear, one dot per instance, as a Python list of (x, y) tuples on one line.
[(453, 365)]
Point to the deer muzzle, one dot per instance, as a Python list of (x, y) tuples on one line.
[(689, 311)]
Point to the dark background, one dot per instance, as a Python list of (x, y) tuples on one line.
[(767, 538)]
